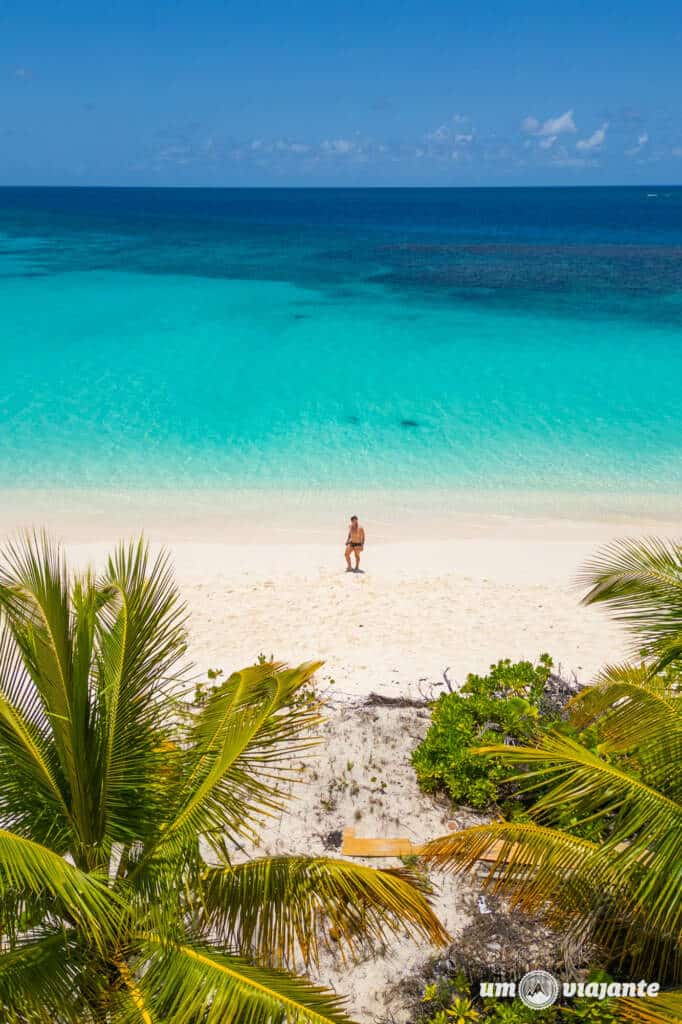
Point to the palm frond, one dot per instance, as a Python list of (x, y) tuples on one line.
[(576, 885), (32, 789), (251, 724), (527, 862), (638, 713), (133, 1007), (190, 983), (35, 599), (641, 582), (141, 638), (274, 909), (34, 594), (645, 824), (85, 898), (40, 976), (665, 1008)]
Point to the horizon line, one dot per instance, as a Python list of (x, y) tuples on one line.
[(349, 188)]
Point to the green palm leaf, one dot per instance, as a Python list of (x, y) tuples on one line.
[(131, 1005), (641, 581), (192, 983), (251, 724), (645, 824), (529, 863), (637, 713), (275, 908), (41, 976), (141, 635), (85, 898), (580, 887), (32, 790), (34, 594)]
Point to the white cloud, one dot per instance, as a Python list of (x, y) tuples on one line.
[(552, 126), (595, 141), (285, 146), (573, 161), (460, 133), (462, 153), (175, 154), (548, 142), (340, 147), (641, 142), (266, 147), (441, 134)]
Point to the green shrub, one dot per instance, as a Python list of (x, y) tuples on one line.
[(502, 706), (582, 1011), (451, 1001)]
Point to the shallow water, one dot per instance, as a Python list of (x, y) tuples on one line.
[(492, 339)]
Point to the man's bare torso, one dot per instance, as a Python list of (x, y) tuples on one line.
[(356, 535)]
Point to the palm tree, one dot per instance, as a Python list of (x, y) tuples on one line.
[(620, 888), (120, 801), (641, 582)]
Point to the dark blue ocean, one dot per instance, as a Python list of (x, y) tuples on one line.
[(526, 339)]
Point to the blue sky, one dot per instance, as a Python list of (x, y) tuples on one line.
[(320, 93)]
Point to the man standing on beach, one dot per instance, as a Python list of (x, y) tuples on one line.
[(355, 543)]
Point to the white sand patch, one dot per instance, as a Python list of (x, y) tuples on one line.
[(361, 776)]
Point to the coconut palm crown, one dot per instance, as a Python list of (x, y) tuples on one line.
[(620, 886), (121, 804), (640, 582)]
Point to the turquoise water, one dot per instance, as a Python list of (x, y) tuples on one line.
[(327, 339)]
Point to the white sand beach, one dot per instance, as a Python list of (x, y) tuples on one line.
[(449, 581)]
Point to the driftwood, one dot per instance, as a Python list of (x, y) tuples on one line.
[(425, 699), (379, 700), (447, 680), (558, 691)]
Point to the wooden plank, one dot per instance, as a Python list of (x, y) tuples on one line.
[(399, 846), (354, 846)]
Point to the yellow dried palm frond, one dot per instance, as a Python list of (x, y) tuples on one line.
[(275, 908)]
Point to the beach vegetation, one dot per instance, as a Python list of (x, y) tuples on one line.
[(614, 890), (504, 706), (454, 999), (597, 851), (127, 894)]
